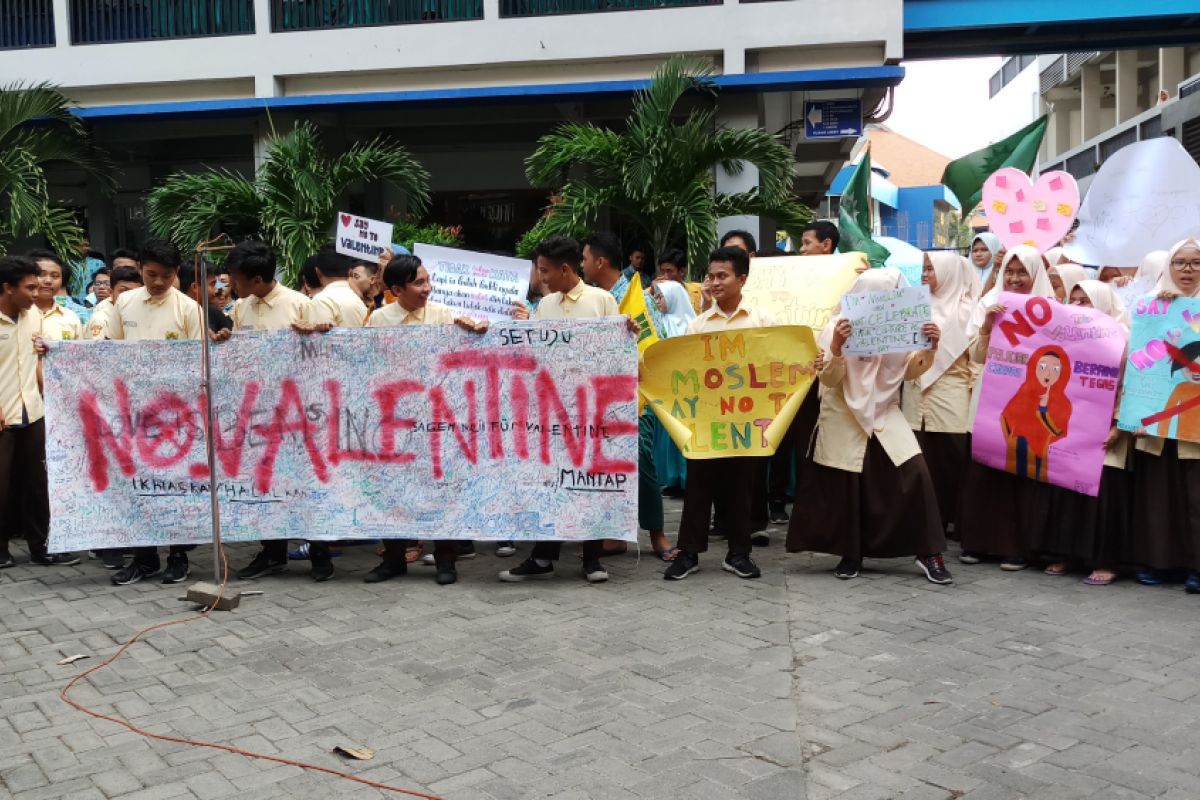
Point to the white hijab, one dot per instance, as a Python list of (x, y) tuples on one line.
[(953, 302), (1070, 275), (1054, 256), (1105, 299), (1165, 282), (679, 309), (872, 383), (1031, 259), (1152, 265)]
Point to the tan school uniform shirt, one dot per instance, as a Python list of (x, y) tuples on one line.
[(395, 314), (338, 305), (581, 302), (715, 320), (275, 311), (841, 441), (945, 407), (18, 368), (60, 324), (136, 316), (98, 324)]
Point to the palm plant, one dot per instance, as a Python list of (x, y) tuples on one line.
[(292, 200), (37, 129), (660, 173)]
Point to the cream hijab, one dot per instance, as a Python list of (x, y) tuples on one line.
[(1105, 299), (1165, 282), (1031, 259), (952, 304), (1153, 265), (1070, 275), (872, 383)]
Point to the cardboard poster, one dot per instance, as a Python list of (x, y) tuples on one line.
[(1162, 378), (801, 290), (362, 237), (887, 322), (480, 285)]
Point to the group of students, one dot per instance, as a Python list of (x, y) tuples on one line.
[(878, 453)]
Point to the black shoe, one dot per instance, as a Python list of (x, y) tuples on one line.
[(527, 570), (446, 573), (322, 569), (177, 569), (684, 564), (847, 568), (594, 571), (386, 571), (935, 570), (6, 560), (777, 512), (741, 565), (466, 550), (133, 573), (55, 560), (760, 539), (111, 559), (260, 567)]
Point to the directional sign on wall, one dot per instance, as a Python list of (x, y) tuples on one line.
[(832, 119)]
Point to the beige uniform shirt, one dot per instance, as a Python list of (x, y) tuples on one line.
[(945, 406), (715, 320), (18, 369), (274, 312), (841, 441), (395, 314), (97, 327), (136, 316), (338, 305), (61, 324), (582, 301)]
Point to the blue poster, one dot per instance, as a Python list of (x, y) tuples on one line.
[(1162, 376)]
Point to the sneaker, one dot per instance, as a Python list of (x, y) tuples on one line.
[(968, 558), (1013, 564), (1192, 584), (385, 571), (111, 559), (446, 573), (260, 567), (300, 553), (777, 513), (527, 570), (935, 570), (1158, 577), (428, 560), (6, 560), (177, 569), (847, 568), (684, 564), (594, 571), (133, 573), (505, 549), (322, 569), (741, 565), (55, 560)]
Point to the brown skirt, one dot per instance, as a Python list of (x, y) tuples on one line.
[(885, 511), (946, 455), (1166, 507), (997, 511), (1093, 531)]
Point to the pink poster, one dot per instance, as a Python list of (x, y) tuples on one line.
[(1047, 392)]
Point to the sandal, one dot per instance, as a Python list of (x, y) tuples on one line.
[(412, 554), (668, 554), (1100, 577), (1056, 569)]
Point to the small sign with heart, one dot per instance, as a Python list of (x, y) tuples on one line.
[(362, 237), (1022, 212)]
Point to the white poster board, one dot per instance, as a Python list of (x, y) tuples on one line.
[(887, 322), (362, 237), (481, 285)]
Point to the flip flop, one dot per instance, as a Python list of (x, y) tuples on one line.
[(1092, 580), (1056, 570), (669, 554)]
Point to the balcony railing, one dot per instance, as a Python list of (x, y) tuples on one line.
[(308, 15), (103, 21), (542, 8), (26, 23)]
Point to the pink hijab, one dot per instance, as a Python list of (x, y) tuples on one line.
[(953, 301)]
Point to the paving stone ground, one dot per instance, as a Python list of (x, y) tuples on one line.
[(795, 686)]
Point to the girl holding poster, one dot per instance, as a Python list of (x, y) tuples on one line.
[(998, 508), (1167, 471), (1064, 278), (867, 469), (937, 405)]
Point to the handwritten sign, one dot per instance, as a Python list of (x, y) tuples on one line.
[(1047, 392), (732, 393), (801, 290), (1162, 377), (362, 237), (1131, 292), (526, 432), (480, 285), (887, 322)]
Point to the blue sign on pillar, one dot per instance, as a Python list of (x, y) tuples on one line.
[(832, 119)]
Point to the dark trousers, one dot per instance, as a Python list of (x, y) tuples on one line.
[(277, 549), (443, 549), (24, 496), (650, 504), (148, 556), (757, 505), (550, 551), (729, 485)]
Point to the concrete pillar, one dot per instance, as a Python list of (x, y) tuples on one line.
[(1089, 80), (1171, 70), (1127, 85), (62, 23), (1060, 122), (738, 111), (491, 9)]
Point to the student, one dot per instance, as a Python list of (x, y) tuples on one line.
[(336, 304), (1152, 266), (189, 285), (867, 470), (937, 405), (24, 492), (568, 297), (985, 248), (998, 509), (724, 483), (124, 258), (366, 278), (669, 464), (155, 311), (819, 238), (672, 266), (59, 323), (1166, 472), (1063, 278), (123, 279), (310, 282), (742, 239), (408, 281), (636, 263), (100, 289)]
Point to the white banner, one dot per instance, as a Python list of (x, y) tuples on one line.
[(887, 322), (480, 285), (362, 237)]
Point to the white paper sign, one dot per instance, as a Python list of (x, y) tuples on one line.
[(480, 285), (362, 237), (887, 322), (1130, 292), (1146, 197)]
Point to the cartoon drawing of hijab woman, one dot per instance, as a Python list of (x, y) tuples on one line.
[(1038, 414)]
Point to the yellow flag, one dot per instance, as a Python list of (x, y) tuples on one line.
[(732, 393), (634, 306)]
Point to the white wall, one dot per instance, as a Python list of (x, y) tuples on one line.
[(1016, 105)]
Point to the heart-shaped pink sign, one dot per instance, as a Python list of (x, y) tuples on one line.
[(346, 220), (1022, 212)]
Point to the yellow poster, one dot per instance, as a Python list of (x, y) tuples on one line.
[(634, 306), (732, 393), (802, 290)]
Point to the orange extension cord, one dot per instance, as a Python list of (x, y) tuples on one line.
[(65, 695)]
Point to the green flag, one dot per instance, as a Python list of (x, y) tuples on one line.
[(965, 176), (854, 216)]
